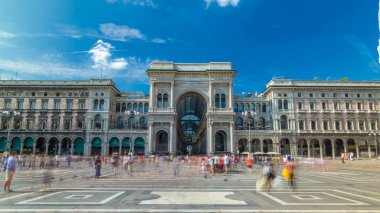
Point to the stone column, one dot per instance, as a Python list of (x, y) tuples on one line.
[(232, 137), (22, 148), (345, 147), (308, 149), (46, 147), (71, 147), (333, 150), (231, 95), (150, 138), (210, 148), (210, 94), (59, 147), (34, 148), (172, 94), (357, 151), (321, 149), (120, 147), (171, 141), (369, 152), (261, 145), (151, 96)]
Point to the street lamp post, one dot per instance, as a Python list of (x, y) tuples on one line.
[(374, 134), (248, 115), (131, 114), (10, 115)]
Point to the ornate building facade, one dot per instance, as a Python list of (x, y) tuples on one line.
[(191, 108)]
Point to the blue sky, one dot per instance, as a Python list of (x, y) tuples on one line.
[(298, 39)]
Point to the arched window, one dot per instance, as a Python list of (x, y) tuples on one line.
[(337, 125), (264, 108), (285, 104), (118, 107), (123, 107), (217, 101), (239, 123), (98, 121), (101, 105), (165, 100), (258, 108), (159, 100), (241, 108), (42, 125), (279, 104), (284, 122), (236, 107), (246, 106), (220, 140), (253, 107), (146, 107), (132, 122), (129, 107), (250, 122), (96, 105), (262, 123), (135, 106), (120, 122), (223, 100), (143, 122), (141, 107)]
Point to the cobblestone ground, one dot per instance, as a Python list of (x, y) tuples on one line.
[(331, 187)]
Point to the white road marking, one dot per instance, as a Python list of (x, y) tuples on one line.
[(189, 210), (8, 198), (193, 198)]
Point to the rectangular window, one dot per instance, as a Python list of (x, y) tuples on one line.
[(21, 93), (361, 125), (347, 105), (313, 125), (81, 104), (33, 93), (20, 104), (324, 105), (301, 125), (57, 104), (369, 95), (358, 95), (7, 104), (336, 106), (325, 125), (311, 105), (371, 106), (299, 105), (373, 125), (44, 104), (359, 106), (285, 95), (9, 94), (69, 104), (32, 104), (311, 95), (337, 125), (45, 94), (70, 94), (299, 95), (323, 95), (349, 125), (346, 95), (335, 95)]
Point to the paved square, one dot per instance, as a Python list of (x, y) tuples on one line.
[(311, 198), (74, 198), (191, 198)]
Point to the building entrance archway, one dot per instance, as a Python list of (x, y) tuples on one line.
[(191, 113)]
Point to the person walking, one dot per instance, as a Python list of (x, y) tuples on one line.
[(56, 159), (203, 168), (98, 166), (10, 170), (342, 157)]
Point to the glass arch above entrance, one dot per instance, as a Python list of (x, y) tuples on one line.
[(191, 113)]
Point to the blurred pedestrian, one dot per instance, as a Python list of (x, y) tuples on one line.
[(203, 168), (342, 155), (57, 159), (10, 169), (98, 166)]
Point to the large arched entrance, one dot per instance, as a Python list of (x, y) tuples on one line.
[(267, 145), (243, 145), (162, 142), (65, 146), (302, 147), (191, 135), (78, 146), (40, 146), (53, 146), (3, 144), (16, 144), (126, 145), (139, 146), (28, 146), (96, 146), (114, 146), (339, 147), (328, 151), (220, 142), (285, 146)]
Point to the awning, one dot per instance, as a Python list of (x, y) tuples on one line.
[(139, 143), (96, 143), (3, 144), (28, 143), (114, 142), (126, 142), (79, 146), (16, 144)]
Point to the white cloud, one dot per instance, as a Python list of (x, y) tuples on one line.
[(120, 32), (141, 3), (6, 35), (158, 41), (222, 3), (101, 57)]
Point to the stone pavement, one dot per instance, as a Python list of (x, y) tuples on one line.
[(155, 189)]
